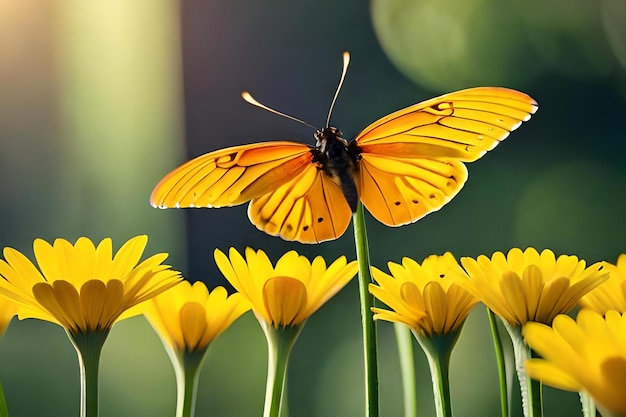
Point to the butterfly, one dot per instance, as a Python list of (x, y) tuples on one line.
[(401, 167)]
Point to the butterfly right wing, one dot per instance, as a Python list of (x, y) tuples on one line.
[(309, 208), (412, 161), (232, 176), (399, 191), (462, 125)]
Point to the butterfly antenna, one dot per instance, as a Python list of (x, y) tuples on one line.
[(346, 62), (248, 97)]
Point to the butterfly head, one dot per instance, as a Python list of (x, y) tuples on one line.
[(327, 135)]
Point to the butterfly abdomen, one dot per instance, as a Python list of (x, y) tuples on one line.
[(332, 155)]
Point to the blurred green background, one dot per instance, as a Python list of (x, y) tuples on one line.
[(100, 99)]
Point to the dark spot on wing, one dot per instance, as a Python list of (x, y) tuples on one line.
[(397, 203), (305, 228), (320, 219)]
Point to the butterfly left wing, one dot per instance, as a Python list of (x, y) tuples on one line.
[(231, 176), (289, 194), (310, 208), (411, 162)]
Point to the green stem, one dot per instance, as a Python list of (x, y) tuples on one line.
[(280, 342), (589, 406), (407, 368), (187, 366), (4, 411), (438, 350), (502, 377), (367, 316), (531, 389), (89, 347), (284, 404)]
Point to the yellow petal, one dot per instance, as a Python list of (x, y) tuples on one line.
[(61, 300), (193, 324), (548, 374), (128, 256), (284, 297), (93, 299), (19, 270)]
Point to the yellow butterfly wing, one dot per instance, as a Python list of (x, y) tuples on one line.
[(412, 160), (310, 208), (231, 176), (290, 195), (399, 191)]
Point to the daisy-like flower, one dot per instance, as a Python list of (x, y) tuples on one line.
[(285, 295), (611, 294), (424, 297), (84, 289), (530, 286), (188, 318), (588, 355), (282, 298), (428, 300), (80, 287)]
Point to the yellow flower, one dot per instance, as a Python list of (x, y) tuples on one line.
[(189, 317), (81, 287), (611, 294), (587, 354), (424, 297), (285, 295), (528, 286)]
